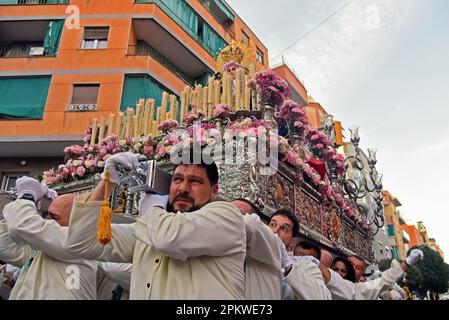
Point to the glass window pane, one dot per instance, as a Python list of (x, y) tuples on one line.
[(85, 94)]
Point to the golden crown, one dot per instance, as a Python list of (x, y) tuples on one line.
[(235, 51)]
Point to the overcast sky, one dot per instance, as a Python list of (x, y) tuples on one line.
[(383, 65)]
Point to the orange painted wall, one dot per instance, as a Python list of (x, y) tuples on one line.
[(74, 65), (392, 217), (290, 77), (415, 237)]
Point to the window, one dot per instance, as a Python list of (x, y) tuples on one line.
[(259, 56), (85, 93), (245, 37), (26, 97), (391, 230), (95, 38), (10, 178)]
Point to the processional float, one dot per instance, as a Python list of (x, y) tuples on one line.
[(238, 111)]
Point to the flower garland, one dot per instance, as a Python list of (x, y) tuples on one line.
[(272, 89), (296, 117), (221, 111)]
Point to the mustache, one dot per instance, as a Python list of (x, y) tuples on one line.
[(183, 196)]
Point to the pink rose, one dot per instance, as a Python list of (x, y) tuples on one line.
[(80, 171), (162, 151), (148, 150)]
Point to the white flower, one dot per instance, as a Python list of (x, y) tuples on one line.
[(100, 164), (122, 143), (247, 122), (88, 164), (76, 163)]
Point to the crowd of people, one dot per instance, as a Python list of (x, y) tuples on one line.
[(186, 245)]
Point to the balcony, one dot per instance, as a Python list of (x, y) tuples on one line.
[(162, 46), (32, 2), (219, 10), (191, 22), (144, 49), (30, 39)]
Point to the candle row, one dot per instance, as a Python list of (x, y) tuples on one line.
[(231, 90), (134, 123)]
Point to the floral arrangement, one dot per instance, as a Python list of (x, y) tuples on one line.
[(335, 160), (318, 142), (168, 125), (193, 116), (83, 162), (272, 89), (296, 117), (221, 111)]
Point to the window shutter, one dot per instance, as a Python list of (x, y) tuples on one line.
[(85, 94), (96, 33)]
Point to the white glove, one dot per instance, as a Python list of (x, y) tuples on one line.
[(126, 159), (151, 200), (51, 194), (32, 186), (415, 256), (306, 258), (285, 258)]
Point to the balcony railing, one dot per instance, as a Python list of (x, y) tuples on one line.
[(147, 50), (180, 21), (24, 52), (31, 2)]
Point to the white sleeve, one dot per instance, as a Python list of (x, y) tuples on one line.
[(371, 290), (217, 229), (307, 282), (11, 252), (399, 290), (27, 227), (119, 273), (261, 242), (82, 235), (340, 288)]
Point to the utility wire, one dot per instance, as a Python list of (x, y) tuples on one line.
[(313, 29)]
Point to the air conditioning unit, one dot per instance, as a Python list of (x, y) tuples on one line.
[(37, 51)]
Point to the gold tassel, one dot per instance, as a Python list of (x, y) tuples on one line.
[(104, 234)]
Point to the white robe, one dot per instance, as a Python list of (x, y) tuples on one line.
[(342, 289), (183, 256), (54, 274), (109, 276), (306, 281), (263, 274)]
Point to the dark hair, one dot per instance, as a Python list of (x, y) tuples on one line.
[(308, 245), (200, 159), (256, 209), (350, 276), (292, 217), (358, 258)]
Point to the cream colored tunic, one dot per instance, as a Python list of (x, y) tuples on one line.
[(342, 289), (109, 276), (197, 255), (306, 281), (54, 274), (263, 274)]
